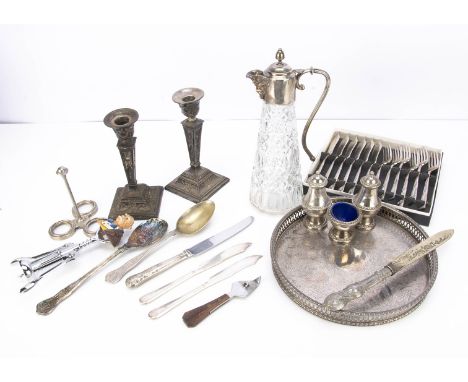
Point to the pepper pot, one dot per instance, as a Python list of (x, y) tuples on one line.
[(316, 203), (368, 201)]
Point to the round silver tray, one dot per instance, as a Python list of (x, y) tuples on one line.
[(308, 267)]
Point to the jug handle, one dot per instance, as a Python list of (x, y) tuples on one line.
[(317, 106)]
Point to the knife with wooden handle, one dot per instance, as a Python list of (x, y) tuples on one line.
[(338, 301)]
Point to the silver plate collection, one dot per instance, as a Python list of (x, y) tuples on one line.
[(335, 253)]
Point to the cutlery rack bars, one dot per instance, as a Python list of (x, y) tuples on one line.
[(409, 173)]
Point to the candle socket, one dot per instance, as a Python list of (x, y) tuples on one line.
[(197, 183), (137, 199)]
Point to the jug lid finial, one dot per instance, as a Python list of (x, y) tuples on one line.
[(280, 55), (280, 68)]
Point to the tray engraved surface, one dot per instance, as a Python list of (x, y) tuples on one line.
[(308, 267)]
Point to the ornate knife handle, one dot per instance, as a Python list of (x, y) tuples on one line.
[(48, 306), (337, 301), (117, 274), (193, 317), (140, 278)]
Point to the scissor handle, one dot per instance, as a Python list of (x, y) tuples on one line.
[(88, 214), (87, 226), (84, 222), (64, 235)]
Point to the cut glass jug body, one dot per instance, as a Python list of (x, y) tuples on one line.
[(276, 185)]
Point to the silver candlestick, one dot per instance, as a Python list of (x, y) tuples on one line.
[(197, 183), (137, 199)]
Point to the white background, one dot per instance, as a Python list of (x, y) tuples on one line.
[(77, 73), (64, 74)]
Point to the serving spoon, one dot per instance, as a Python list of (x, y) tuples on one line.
[(143, 235), (191, 221)]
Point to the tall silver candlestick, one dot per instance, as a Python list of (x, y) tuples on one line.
[(197, 183)]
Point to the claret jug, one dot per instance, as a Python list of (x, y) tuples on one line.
[(276, 184)]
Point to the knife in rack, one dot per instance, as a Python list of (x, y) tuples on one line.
[(345, 156), (356, 167), (366, 165), (337, 150), (198, 249), (339, 300), (335, 168), (353, 156), (325, 154)]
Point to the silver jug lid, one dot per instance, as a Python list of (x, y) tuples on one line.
[(279, 68)]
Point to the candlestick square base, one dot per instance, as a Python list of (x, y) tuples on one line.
[(142, 202), (197, 184)]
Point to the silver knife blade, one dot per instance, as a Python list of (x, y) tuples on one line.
[(244, 288), (375, 152), (338, 300), (216, 278), (140, 278), (342, 146), (233, 269), (362, 145), (220, 237), (367, 150), (420, 250), (218, 259), (350, 147)]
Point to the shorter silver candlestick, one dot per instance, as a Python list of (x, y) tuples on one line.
[(197, 183)]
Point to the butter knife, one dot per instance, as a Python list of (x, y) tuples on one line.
[(216, 278), (337, 301), (238, 289), (214, 261), (140, 278)]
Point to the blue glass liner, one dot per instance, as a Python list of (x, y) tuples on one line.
[(344, 212)]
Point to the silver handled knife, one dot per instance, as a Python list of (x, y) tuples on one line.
[(238, 289), (338, 300), (216, 278), (198, 249), (218, 259)]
